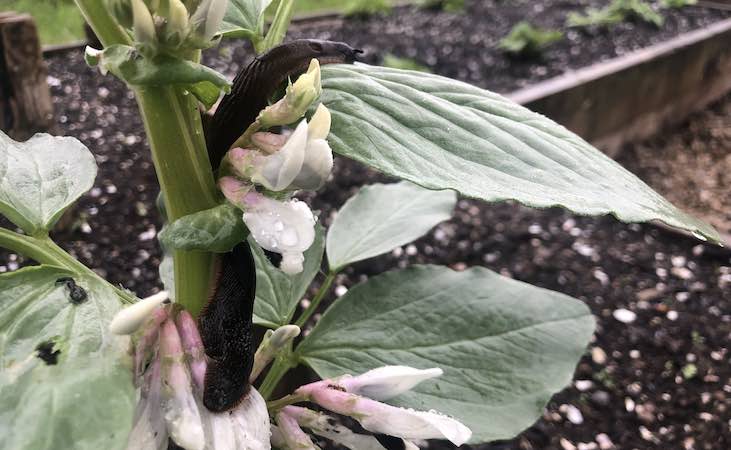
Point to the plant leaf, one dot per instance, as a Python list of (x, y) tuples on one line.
[(505, 346), (137, 70), (218, 229), (81, 397), (277, 294), (444, 134), (41, 177), (244, 19), (382, 217)]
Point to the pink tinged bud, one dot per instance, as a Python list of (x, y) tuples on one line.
[(146, 344), (381, 418), (277, 171), (283, 227), (235, 190), (328, 427), (387, 382), (293, 435), (193, 346), (128, 320), (277, 438), (272, 344), (178, 404), (269, 142)]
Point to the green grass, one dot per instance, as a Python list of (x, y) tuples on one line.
[(58, 21)]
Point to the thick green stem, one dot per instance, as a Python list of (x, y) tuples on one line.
[(279, 26), (175, 134), (307, 313)]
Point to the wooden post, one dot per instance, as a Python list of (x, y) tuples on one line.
[(25, 98)]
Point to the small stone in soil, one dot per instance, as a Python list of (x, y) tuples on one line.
[(624, 315)]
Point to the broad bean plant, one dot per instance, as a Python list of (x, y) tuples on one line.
[(419, 353)]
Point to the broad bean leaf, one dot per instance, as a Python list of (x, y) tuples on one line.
[(505, 346), (63, 379), (218, 229), (444, 134), (382, 217), (244, 19), (135, 69), (277, 293), (41, 177)]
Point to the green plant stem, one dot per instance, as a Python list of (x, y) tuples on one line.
[(175, 134), (281, 366), (43, 250), (278, 28), (307, 313), (287, 400), (104, 26)]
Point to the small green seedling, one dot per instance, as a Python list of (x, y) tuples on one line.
[(526, 40), (397, 62), (443, 5), (677, 4), (367, 8), (616, 12)]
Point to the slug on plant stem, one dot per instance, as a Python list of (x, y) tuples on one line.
[(253, 87), (226, 322)]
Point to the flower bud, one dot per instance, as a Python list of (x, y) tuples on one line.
[(128, 320), (143, 25), (179, 406), (207, 18), (277, 171), (298, 97), (387, 382), (272, 343), (269, 142), (293, 435), (234, 190), (193, 346), (177, 18)]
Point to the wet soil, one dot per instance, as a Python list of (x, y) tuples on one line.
[(662, 380)]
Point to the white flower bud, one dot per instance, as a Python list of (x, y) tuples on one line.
[(387, 382), (207, 18), (272, 343), (298, 97), (128, 320), (178, 18), (143, 25)]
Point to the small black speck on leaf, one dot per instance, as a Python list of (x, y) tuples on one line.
[(48, 353), (77, 294)]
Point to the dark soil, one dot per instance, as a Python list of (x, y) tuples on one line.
[(464, 45), (661, 381)]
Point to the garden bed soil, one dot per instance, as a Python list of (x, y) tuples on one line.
[(463, 45), (661, 381)]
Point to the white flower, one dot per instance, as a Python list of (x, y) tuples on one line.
[(387, 382), (207, 18), (128, 320), (328, 427), (292, 434), (304, 161), (377, 417), (284, 227), (297, 98)]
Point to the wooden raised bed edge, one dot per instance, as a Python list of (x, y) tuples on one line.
[(634, 96)]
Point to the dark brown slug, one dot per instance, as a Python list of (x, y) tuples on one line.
[(226, 322)]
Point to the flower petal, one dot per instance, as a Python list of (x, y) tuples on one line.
[(293, 435), (319, 125), (128, 320), (277, 171), (251, 423), (391, 420), (387, 382), (328, 427), (317, 165)]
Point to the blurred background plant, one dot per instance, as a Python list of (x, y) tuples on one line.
[(525, 40), (616, 12), (443, 5), (397, 62)]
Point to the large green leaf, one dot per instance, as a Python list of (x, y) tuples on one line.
[(382, 217), (505, 346), (277, 293), (41, 177), (444, 134), (244, 18), (218, 229), (80, 395)]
